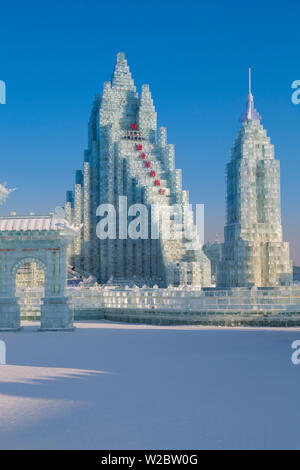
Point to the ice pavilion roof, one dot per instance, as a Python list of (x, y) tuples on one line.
[(30, 223)]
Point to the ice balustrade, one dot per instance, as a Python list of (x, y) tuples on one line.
[(175, 300)]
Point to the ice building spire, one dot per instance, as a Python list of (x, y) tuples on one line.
[(128, 157), (250, 113), (121, 76), (147, 118), (253, 252)]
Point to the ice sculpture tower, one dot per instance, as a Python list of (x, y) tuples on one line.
[(126, 156), (253, 253)]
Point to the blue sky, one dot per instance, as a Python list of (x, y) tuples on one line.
[(54, 56)]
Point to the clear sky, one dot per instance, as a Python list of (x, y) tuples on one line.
[(55, 55)]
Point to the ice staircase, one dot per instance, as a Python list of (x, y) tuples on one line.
[(182, 254)]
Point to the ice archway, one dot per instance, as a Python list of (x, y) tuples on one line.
[(43, 240)]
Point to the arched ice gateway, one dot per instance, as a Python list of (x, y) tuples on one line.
[(43, 240)]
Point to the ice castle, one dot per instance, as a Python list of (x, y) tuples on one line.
[(128, 156), (159, 280)]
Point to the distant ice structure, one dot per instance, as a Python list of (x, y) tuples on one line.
[(213, 252)]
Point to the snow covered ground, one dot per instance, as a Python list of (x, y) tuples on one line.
[(110, 386)]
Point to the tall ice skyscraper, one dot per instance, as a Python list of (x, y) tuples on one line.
[(253, 252), (128, 157)]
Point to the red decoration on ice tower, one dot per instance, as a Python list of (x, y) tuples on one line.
[(157, 182), (152, 173), (139, 146), (143, 155), (147, 164), (162, 191), (134, 126)]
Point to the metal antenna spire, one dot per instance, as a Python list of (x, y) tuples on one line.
[(250, 114), (249, 80)]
